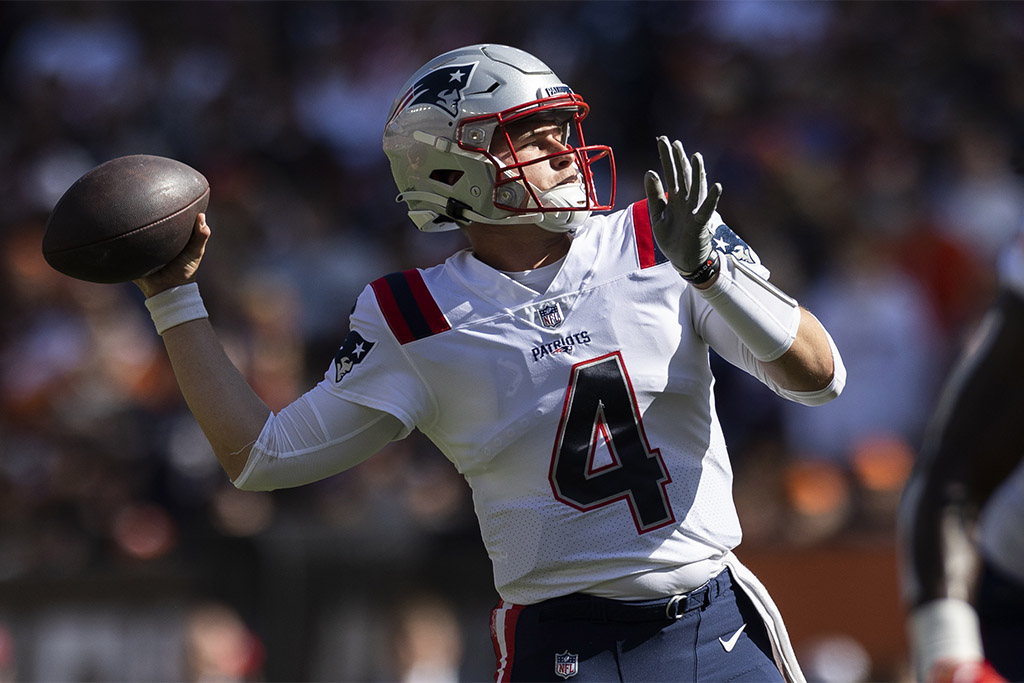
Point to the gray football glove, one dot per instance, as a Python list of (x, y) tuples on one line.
[(682, 219)]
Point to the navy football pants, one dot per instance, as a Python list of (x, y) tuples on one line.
[(712, 634)]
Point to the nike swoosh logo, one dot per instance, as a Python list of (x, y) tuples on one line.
[(731, 643)]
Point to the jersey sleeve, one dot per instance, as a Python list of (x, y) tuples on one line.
[(315, 437), (370, 395), (372, 368), (717, 333), (720, 337)]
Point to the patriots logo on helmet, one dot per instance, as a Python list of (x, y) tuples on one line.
[(351, 353), (441, 88)]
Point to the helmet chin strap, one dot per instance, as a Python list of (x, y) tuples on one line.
[(572, 197), (563, 196)]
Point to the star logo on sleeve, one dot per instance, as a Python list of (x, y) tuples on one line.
[(351, 353), (728, 242)]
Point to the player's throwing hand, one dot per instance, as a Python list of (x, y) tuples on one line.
[(681, 217), (182, 270)]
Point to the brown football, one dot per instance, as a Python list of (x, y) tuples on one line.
[(124, 219)]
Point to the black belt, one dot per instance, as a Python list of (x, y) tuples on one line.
[(593, 608)]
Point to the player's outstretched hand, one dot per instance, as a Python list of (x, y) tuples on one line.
[(182, 269), (681, 209)]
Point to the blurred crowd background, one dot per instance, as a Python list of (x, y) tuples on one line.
[(869, 154)]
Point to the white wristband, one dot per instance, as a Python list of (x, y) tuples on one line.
[(764, 318), (175, 306), (944, 629)]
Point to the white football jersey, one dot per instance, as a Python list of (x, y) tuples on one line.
[(583, 418)]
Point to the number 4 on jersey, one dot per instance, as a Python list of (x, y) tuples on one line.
[(601, 411)]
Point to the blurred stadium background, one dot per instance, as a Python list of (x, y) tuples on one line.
[(867, 152)]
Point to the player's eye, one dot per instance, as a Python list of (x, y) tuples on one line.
[(541, 135)]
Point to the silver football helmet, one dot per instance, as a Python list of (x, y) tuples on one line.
[(440, 138)]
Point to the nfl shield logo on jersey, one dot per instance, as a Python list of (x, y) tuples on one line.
[(566, 664), (550, 315)]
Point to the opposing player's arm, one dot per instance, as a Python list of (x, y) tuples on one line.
[(972, 444)]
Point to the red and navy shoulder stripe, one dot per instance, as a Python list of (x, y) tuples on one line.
[(646, 246), (408, 306)]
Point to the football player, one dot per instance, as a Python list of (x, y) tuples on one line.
[(561, 363), (962, 513)]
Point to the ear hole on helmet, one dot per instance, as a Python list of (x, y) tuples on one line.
[(447, 176)]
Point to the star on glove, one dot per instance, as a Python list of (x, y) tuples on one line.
[(681, 215)]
